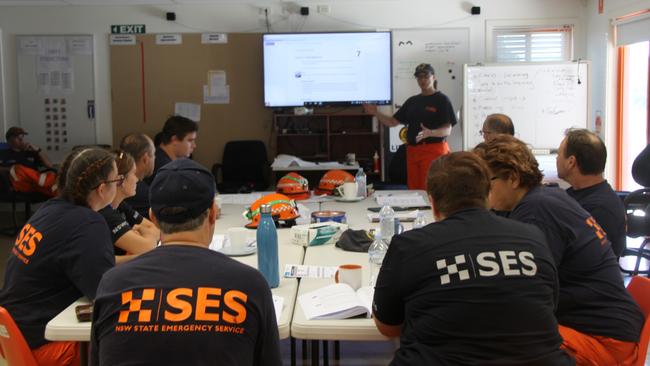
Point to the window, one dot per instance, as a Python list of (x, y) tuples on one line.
[(525, 44)]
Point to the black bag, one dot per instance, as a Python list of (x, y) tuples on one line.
[(355, 241)]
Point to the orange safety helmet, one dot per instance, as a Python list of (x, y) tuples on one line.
[(282, 209), (331, 180), (294, 185)]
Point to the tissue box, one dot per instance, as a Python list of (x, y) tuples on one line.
[(317, 234)]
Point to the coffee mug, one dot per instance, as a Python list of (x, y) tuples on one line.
[(350, 158), (238, 237), (350, 274), (348, 190)]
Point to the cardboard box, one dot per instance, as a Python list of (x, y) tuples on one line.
[(320, 233)]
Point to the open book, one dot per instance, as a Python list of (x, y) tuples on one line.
[(337, 301)]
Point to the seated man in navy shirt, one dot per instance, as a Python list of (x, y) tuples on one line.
[(472, 288), (177, 141), (599, 321), (182, 303), (581, 161), (141, 148)]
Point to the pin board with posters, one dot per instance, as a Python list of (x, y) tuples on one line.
[(542, 99), (56, 100)]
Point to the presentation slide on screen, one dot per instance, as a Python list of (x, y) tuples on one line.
[(309, 69)]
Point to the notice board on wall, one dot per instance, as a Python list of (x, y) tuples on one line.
[(154, 76)]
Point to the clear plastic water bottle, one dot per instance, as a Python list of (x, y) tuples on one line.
[(267, 247), (420, 220), (376, 254), (387, 223), (360, 179)]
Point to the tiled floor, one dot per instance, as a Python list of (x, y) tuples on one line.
[(352, 353)]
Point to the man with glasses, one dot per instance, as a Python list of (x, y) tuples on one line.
[(496, 124), (429, 117)]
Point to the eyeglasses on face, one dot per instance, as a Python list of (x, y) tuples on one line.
[(119, 180), (484, 133)]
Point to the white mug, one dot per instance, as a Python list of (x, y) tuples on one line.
[(348, 190), (350, 274), (238, 237)]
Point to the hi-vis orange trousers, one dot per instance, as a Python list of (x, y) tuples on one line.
[(591, 350), (25, 179), (418, 160)]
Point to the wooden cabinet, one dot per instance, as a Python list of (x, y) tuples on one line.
[(329, 137)]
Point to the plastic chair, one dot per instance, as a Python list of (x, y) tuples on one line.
[(639, 288), (12, 343)]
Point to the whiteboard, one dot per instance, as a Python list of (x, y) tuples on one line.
[(543, 100), (446, 49)]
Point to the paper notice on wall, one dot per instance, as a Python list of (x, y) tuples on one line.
[(212, 38), (217, 91), (188, 110), (216, 94), (30, 46), (53, 46), (80, 45), (54, 75)]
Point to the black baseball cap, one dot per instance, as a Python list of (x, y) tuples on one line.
[(15, 131), (423, 69), (181, 183)]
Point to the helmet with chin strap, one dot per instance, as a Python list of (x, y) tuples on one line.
[(331, 180), (294, 185), (282, 209)]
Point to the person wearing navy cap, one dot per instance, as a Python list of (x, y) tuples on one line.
[(429, 117), (212, 309)]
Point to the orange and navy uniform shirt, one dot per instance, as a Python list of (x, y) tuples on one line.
[(184, 305)]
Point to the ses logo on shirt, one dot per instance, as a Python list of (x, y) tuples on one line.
[(486, 264), (26, 243), (204, 309)]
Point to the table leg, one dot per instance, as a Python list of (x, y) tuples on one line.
[(292, 342), (314, 353), (304, 350), (326, 351), (337, 350), (83, 353)]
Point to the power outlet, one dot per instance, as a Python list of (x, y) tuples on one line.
[(323, 9)]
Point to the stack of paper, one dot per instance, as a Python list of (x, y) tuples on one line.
[(402, 199)]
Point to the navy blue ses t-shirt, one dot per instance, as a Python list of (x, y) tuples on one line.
[(593, 298), (606, 207), (59, 256), (140, 202), (473, 289), (433, 111), (184, 305), (30, 159), (120, 221), (162, 159)]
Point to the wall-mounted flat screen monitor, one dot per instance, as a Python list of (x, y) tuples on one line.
[(321, 69)]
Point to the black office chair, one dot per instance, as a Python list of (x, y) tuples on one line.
[(244, 168), (637, 208)]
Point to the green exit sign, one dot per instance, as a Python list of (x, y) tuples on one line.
[(128, 29)]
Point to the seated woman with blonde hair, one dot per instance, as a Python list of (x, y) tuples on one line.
[(132, 234)]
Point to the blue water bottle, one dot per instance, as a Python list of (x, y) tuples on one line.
[(267, 247)]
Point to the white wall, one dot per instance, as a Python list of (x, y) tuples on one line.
[(243, 17), (604, 57)]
